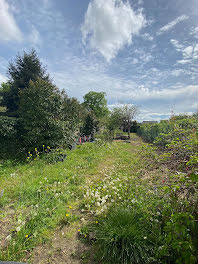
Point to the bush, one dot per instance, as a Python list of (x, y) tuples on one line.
[(9, 144)]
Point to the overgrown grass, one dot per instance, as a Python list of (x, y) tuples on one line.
[(135, 210), (125, 236), (41, 196)]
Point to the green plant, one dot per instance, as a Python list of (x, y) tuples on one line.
[(178, 245), (126, 236)]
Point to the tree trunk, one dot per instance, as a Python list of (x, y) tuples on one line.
[(129, 129)]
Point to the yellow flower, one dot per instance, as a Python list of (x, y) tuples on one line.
[(96, 222), (67, 215), (26, 236), (35, 149), (78, 230), (70, 207), (85, 235)]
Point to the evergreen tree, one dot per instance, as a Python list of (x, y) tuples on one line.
[(20, 72)]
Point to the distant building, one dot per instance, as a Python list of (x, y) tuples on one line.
[(149, 122)]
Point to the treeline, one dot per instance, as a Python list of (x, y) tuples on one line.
[(34, 112)]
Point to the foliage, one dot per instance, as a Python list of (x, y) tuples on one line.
[(90, 126), (45, 116), (126, 236), (8, 136), (96, 103), (21, 71), (115, 119), (123, 115), (42, 116)]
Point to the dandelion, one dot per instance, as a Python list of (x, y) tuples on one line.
[(26, 236), (96, 222), (70, 207), (78, 230), (18, 228), (67, 215), (8, 238)]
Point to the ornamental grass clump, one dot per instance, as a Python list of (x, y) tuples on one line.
[(126, 236)]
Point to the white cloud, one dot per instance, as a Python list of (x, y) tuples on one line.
[(176, 44), (9, 31), (147, 36), (34, 37), (109, 25), (194, 32), (2, 78), (172, 24), (190, 53)]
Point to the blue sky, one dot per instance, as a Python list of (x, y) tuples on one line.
[(137, 51)]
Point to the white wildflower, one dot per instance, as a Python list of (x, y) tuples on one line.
[(18, 228), (9, 237)]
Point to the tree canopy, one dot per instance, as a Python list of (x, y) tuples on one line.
[(96, 103), (20, 72)]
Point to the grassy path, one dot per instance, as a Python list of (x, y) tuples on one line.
[(42, 207)]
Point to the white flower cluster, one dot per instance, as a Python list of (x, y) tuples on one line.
[(110, 190)]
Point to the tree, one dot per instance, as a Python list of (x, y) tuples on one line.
[(48, 116), (96, 104), (90, 126), (40, 114), (128, 114), (115, 119), (123, 115), (20, 72), (43, 114)]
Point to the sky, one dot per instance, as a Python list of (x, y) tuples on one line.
[(142, 52)]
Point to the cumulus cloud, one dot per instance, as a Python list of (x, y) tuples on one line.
[(109, 25), (172, 24), (9, 31)]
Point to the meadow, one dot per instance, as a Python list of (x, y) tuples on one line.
[(106, 202)]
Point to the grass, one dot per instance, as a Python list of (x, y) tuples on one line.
[(118, 196), (126, 236), (42, 196)]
